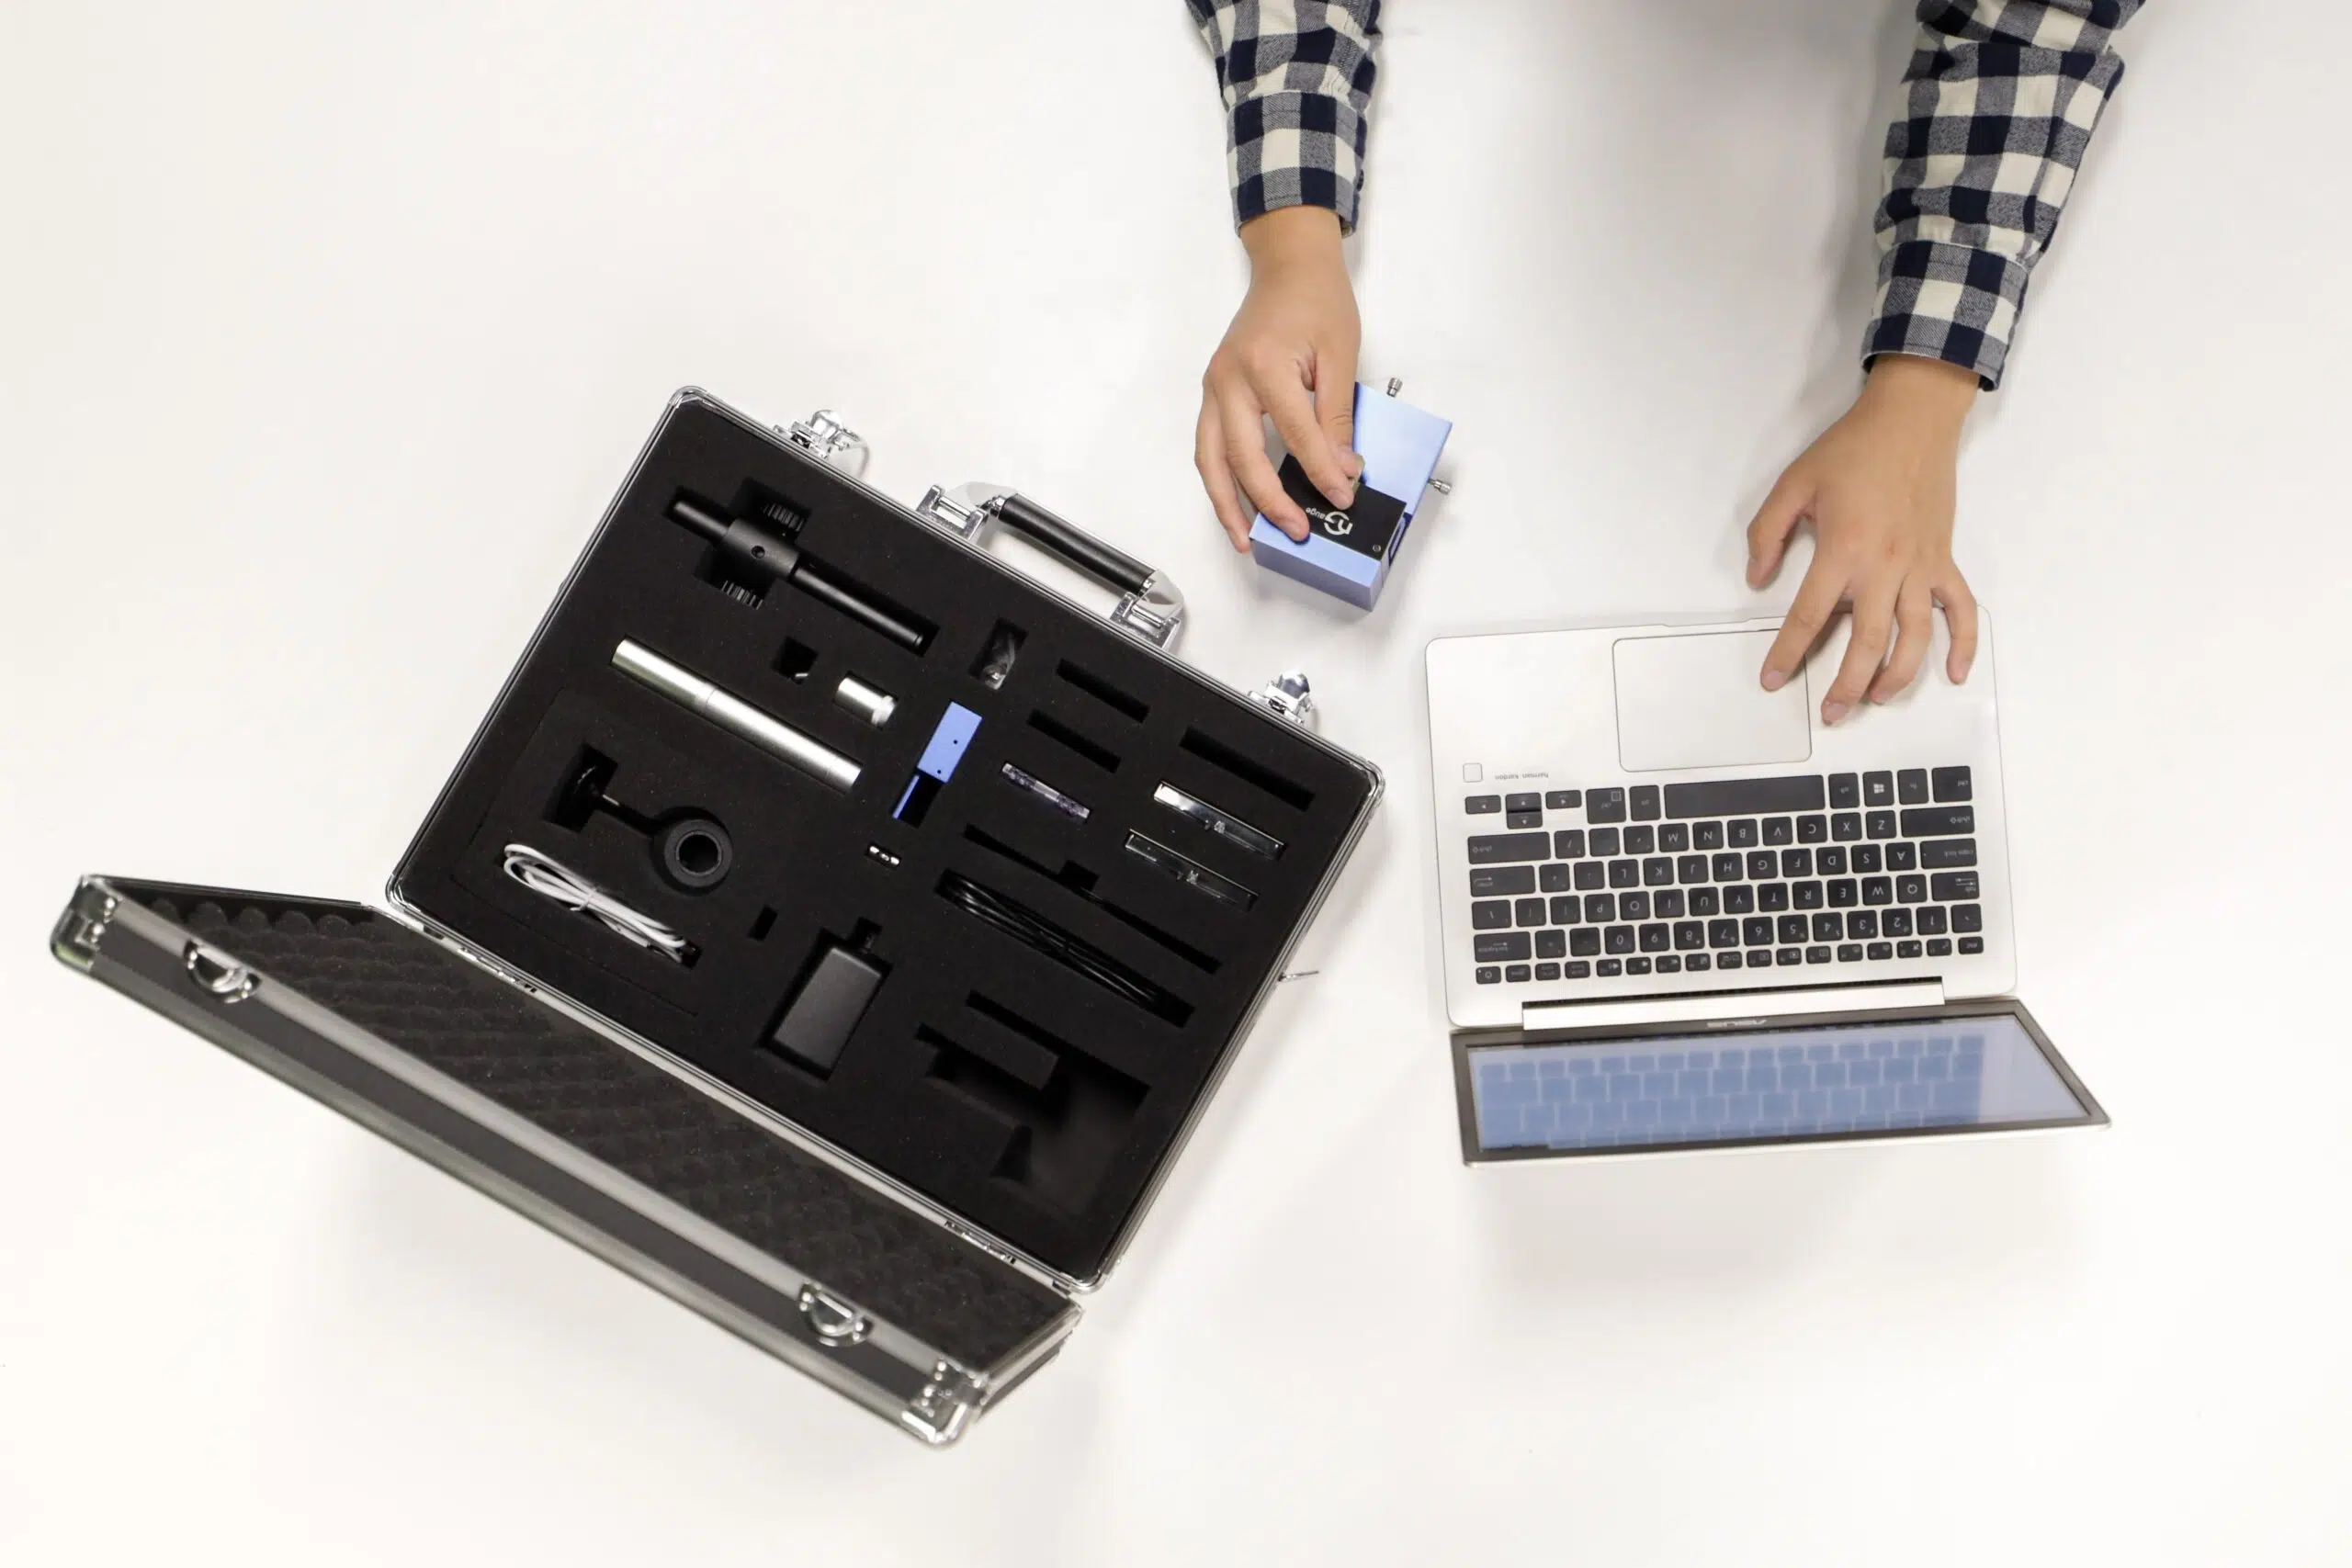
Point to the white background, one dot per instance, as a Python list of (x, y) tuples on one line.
[(325, 334)]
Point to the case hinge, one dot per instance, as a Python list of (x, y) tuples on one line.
[(1287, 695), (83, 927), (824, 436), (944, 1406)]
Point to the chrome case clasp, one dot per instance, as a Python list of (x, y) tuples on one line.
[(825, 437), (1288, 696)]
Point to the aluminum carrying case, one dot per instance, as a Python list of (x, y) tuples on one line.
[(828, 924)]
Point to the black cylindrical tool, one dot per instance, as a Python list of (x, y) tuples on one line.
[(756, 547)]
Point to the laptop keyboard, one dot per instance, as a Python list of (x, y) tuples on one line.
[(1781, 873)]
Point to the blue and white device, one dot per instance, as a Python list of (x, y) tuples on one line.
[(1348, 554)]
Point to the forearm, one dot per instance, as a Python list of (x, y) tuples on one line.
[(2002, 98), (1297, 78)]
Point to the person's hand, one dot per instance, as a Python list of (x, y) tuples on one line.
[(1291, 353), (1878, 486)]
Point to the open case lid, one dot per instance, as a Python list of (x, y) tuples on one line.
[(578, 1131)]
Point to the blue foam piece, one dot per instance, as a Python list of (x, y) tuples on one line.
[(941, 757), (1400, 445)]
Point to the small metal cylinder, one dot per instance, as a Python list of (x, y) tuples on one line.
[(869, 702), (735, 716)]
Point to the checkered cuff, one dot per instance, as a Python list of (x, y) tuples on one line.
[(2003, 96), (1297, 77)]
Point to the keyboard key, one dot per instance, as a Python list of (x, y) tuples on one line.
[(1546, 972), (1788, 956), (1637, 966), (1938, 853), (1828, 926), (1624, 873), (1590, 874), (1504, 947), (1657, 872), (1972, 944), (1722, 933), (1868, 859), (1911, 787), (1618, 940), (1700, 962), (1881, 950), (1851, 952), (1845, 791), (1691, 868), (1931, 921), (1901, 857), (1604, 805), (1583, 943), (1669, 963), (1518, 975), (1895, 922), (1728, 961), (1877, 890), (1633, 906), (1831, 859), (1772, 898), (1611, 968), (1656, 939), (1641, 841), (1842, 893), (1530, 802), (1530, 912), (1862, 924), (1502, 881), (1806, 895), (1703, 901), (1688, 934), (1939, 822), (1911, 889), (1757, 931), (1563, 799), (1551, 944), (1947, 885), (1741, 835), (1763, 864), (1707, 836), (1878, 789), (1498, 848), (1879, 824), (1739, 900), (1568, 843), (1576, 971), (1940, 947), (1953, 783), (1605, 842), (1780, 831), (1483, 804), (1554, 878), (1646, 803), (1813, 829), (1674, 838), (1794, 928), (1907, 950), (1600, 908), (1967, 917), (1846, 826), (1722, 797), (1817, 955), (1490, 976), (1726, 866), (1523, 818), (1490, 915), (1667, 902), (1796, 862), (1564, 910)]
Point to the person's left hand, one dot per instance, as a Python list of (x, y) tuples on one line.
[(1878, 487)]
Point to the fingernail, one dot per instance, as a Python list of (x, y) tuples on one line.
[(1831, 711), (1774, 680)]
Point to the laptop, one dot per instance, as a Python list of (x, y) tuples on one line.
[(1679, 912)]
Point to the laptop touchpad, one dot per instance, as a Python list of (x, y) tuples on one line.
[(1693, 702)]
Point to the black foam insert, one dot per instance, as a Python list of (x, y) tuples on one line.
[(604, 1098), (1010, 1087)]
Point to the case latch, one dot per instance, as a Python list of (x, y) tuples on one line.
[(834, 1321), (824, 435), (83, 927), (1288, 696), (219, 976), (1149, 605)]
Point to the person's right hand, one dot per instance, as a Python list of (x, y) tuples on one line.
[(1290, 353)]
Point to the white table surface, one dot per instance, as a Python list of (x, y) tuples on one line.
[(326, 332)]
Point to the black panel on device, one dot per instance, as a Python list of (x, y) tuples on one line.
[(1030, 1073)]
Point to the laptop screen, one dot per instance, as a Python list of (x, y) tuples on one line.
[(1955, 1072)]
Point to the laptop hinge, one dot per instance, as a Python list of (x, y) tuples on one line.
[(1725, 1007)]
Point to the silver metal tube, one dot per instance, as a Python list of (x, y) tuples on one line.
[(733, 714), (871, 704)]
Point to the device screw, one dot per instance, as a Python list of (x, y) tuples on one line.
[(1396, 385)]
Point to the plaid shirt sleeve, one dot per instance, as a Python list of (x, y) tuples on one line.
[(2003, 97), (1297, 81)]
